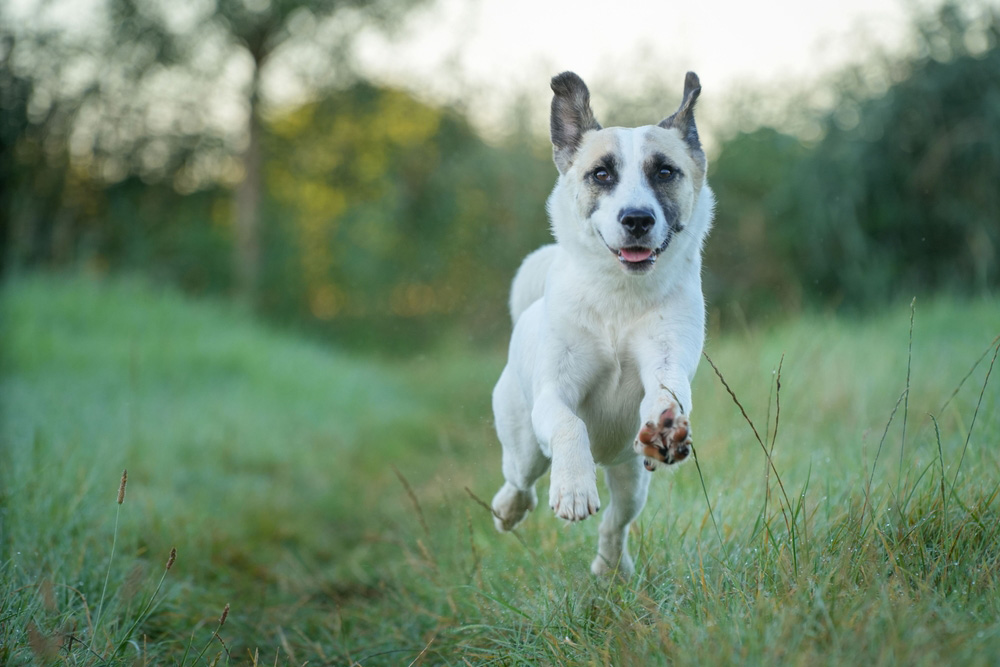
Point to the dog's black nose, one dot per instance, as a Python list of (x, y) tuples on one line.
[(637, 221)]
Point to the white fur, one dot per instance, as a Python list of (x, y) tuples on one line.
[(597, 351)]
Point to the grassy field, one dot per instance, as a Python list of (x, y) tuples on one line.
[(332, 501)]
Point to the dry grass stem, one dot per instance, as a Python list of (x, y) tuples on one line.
[(760, 441), (413, 500)]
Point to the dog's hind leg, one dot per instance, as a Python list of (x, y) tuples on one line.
[(628, 484), (523, 460)]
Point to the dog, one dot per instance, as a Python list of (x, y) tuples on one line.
[(609, 321)]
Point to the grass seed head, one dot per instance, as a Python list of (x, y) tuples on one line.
[(172, 558), (225, 614), (121, 487)]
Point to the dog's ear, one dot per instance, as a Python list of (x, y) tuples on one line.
[(683, 118), (571, 118)]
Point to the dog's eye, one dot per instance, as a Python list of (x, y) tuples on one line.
[(603, 175), (665, 173)]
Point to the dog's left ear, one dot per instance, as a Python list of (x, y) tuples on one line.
[(571, 118), (683, 118)]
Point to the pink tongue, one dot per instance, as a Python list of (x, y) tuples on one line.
[(635, 254)]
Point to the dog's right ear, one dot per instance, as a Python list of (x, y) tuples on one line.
[(571, 118)]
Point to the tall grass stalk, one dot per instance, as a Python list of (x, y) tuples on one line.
[(906, 405), (975, 414), (111, 558), (774, 438), (215, 635), (787, 506), (149, 603)]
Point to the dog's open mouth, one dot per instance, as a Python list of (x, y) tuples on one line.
[(639, 258), (636, 255)]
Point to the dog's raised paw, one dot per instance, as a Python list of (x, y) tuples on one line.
[(574, 502), (666, 439)]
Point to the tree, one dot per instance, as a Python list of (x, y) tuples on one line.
[(900, 195), (150, 91), (260, 29)]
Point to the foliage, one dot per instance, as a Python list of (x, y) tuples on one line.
[(323, 496), (749, 259), (387, 220), (402, 219), (899, 195), (910, 199)]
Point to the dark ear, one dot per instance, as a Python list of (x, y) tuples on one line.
[(683, 118), (571, 117)]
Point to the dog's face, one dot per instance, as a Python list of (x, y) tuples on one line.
[(632, 189)]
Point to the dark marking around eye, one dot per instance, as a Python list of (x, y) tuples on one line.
[(660, 171), (601, 180), (605, 170), (664, 188)]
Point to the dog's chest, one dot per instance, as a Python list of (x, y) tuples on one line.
[(610, 407)]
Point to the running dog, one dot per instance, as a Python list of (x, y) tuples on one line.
[(609, 321)]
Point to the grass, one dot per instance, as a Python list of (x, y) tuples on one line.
[(332, 501)]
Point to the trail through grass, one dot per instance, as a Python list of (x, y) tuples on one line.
[(331, 500)]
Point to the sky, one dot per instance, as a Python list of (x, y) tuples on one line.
[(481, 55), (499, 48)]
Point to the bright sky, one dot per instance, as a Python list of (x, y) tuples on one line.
[(500, 47), (484, 54)]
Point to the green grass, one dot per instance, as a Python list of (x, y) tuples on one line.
[(323, 496)]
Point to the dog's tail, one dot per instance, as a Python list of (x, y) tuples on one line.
[(529, 282)]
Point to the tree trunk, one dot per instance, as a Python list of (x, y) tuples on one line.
[(247, 208)]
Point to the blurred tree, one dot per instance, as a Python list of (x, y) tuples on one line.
[(898, 195), (34, 156), (901, 193), (401, 218), (166, 93), (389, 219), (748, 266), (258, 29)]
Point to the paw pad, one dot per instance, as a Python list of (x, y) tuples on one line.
[(665, 440)]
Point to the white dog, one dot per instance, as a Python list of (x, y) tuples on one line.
[(609, 321)]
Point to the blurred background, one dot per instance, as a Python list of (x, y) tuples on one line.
[(258, 253), (373, 172)]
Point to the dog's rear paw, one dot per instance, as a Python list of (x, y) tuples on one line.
[(511, 505), (621, 566), (666, 439), (574, 501)]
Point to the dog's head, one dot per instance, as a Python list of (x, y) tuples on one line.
[(632, 189)]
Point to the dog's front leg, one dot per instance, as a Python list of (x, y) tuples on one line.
[(665, 433), (573, 488)]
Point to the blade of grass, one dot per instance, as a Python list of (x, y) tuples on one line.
[(149, 603), (111, 558), (906, 405), (871, 477), (708, 502), (788, 525), (975, 414), (972, 370)]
